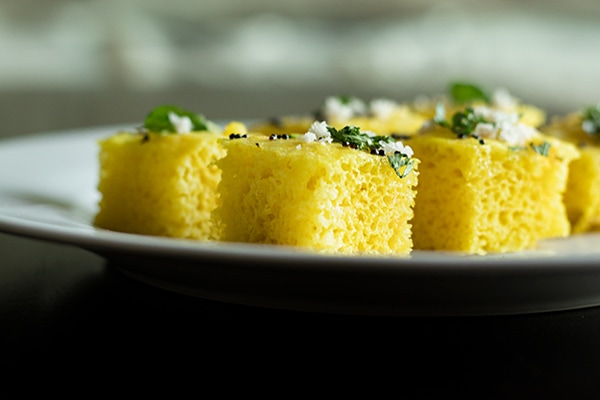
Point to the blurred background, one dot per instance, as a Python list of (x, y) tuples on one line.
[(69, 64)]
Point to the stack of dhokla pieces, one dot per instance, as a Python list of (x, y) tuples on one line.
[(331, 191), (474, 179)]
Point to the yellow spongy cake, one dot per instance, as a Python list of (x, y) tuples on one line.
[(582, 197), (481, 195), (159, 184), (314, 195), (384, 116)]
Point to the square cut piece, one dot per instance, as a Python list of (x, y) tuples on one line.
[(323, 197), (488, 198), (159, 184), (582, 197)]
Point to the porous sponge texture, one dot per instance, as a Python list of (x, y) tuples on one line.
[(582, 197), (323, 197), (483, 198), (160, 184)]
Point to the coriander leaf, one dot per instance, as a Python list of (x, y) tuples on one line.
[(517, 148), (398, 160), (158, 119), (541, 149), (464, 122), (345, 99), (353, 137), (591, 120), (465, 92)]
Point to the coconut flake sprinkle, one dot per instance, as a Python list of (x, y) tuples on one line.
[(382, 108), (318, 132), (392, 148), (341, 108), (502, 98), (503, 126), (182, 124), (486, 123)]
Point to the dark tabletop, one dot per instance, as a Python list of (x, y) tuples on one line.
[(63, 303)]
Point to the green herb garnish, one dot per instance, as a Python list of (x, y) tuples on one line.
[(352, 137), (463, 123), (465, 93), (541, 149), (399, 160), (158, 119), (590, 121), (345, 99)]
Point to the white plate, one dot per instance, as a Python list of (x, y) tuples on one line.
[(48, 191)]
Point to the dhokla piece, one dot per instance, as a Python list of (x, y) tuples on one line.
[(380, 115), (315, 193), (582, 197), (488, 185), (158, 182)]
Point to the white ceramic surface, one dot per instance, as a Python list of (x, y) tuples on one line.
[(48, 192)]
